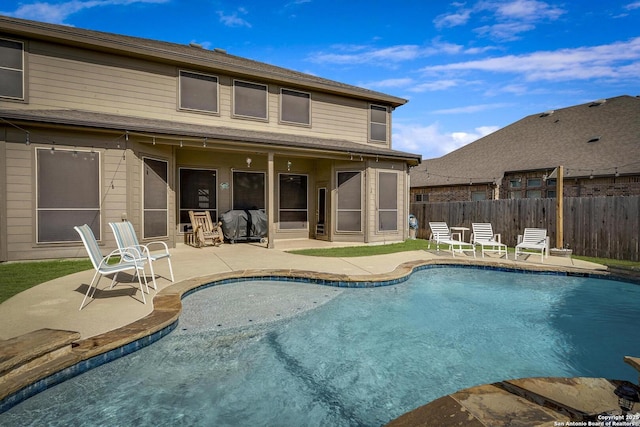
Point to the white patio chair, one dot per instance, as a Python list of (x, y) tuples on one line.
[(533, 240), (126, 239), (483, 236), (102, 266), (440, 233)]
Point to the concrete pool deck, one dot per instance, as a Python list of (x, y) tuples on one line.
[(55, 304), (117, 317)]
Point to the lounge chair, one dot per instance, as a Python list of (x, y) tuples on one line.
[(102, 266), (534, 239), (204, 231), (483, 236), (440, 233), (128, 242)]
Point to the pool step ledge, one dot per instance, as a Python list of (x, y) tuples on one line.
[(542, 401), (29, 357)]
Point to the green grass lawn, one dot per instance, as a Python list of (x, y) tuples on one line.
[(16, 277), (421, 244)]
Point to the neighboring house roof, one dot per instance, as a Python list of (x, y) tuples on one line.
[(192, 56), (597, 138), (174, 130)]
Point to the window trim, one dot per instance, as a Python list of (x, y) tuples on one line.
[(338, 210), (386, 124), (23, 71), (288, 122), (37, 190), (144, 209), (306, 209), (244, 116), (217, 83)]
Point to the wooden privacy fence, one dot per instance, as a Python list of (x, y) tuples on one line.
[(605, 227)]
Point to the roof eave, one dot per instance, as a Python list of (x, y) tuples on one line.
[(209, 132)]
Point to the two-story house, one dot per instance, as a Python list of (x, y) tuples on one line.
[(98, 127), (596, 143)]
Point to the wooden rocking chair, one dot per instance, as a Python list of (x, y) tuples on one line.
[(204, 231)]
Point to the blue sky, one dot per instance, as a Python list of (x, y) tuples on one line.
[(467, 68)]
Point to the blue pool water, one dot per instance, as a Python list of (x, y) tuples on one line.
[(362, 359)]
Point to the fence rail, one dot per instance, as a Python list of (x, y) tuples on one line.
[(605, 227)]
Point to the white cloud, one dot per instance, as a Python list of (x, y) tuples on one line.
[(505, 19), (57, 13), (431, 142), (233, 20), (528, 10), (617, 61), (506, 31), (435, 85), (389, 83), (470, 109), (389, 56), (634, 5), (364, 55), (453, 19)]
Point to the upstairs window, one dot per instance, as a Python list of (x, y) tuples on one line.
[(534, 182), (198, 92), (12, 69), (295, 107), (378, 118), (249, 100)]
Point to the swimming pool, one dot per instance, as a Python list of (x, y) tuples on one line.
[(363, 358)]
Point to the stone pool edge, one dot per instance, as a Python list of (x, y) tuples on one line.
[(92, 352)]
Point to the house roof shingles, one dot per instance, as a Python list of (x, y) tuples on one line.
[(596, 138)]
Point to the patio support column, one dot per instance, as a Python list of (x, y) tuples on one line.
[(271, 196)]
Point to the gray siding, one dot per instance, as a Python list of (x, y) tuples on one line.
[(62, 77)]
